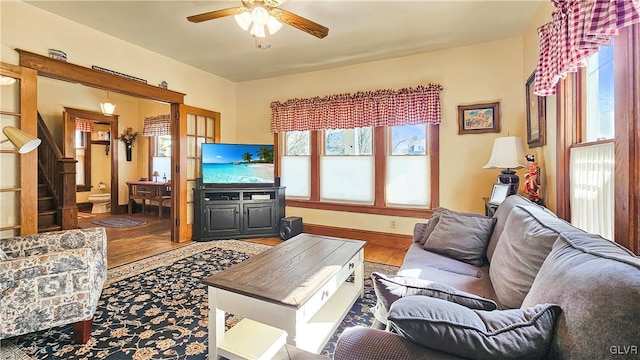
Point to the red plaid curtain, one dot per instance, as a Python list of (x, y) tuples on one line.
[(84, 125), (578, 29), (157, 125), (418, 105)]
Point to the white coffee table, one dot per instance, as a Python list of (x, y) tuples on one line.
[(296, 292)]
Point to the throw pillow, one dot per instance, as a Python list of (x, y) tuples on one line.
[(461, 237), (389, 288), (526, 240), (433, 221), (475, 334), (435, 218)]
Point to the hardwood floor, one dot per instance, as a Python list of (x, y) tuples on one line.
[(125, 245)]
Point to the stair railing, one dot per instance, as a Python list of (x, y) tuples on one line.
[(59, 175)]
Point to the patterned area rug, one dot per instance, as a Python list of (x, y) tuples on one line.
[(156, 308), (119, 222)]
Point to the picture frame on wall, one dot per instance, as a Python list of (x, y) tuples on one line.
[(498, 194), (536, 115), (479, 118)]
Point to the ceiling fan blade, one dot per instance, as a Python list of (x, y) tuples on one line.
[(214, 14), (303, 24)]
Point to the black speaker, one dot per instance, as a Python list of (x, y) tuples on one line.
[(290, 227)]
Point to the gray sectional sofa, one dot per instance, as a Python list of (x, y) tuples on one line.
[(542, 289)]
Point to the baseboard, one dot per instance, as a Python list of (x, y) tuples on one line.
[(395, 241)]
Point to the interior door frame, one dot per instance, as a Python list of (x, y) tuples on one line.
[(68, 142), (179, 137), (73, 73)]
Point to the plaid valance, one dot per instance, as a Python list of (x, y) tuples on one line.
[(157, 125), (418, 105), (578, 29), (84, 125)]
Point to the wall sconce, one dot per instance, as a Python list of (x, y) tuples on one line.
[(107, 107), (7, 80), (25, 142)]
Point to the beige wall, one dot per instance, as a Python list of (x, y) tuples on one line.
[(23, 26), (473, 74), (546, 155), (494, 71)]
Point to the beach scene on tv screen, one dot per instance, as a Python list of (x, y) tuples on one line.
[(237, 164)]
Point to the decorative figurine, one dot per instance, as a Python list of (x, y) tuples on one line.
[(532, 180), (163, 85)]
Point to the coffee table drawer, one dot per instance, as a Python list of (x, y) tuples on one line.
[(319, 299)]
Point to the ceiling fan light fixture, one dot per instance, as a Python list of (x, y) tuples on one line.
[(244, 20), (258, 30), (273, 25), (260, 15)]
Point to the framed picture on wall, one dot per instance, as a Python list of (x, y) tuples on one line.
[(479, 118), (536, 119), (498, 194)]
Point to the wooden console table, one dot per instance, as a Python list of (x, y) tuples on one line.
[(149, 190)]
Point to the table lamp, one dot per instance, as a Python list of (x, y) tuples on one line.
[(155, 176), (507, 154)]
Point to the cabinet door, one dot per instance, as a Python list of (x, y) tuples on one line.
[(259, 218), (221, 219)]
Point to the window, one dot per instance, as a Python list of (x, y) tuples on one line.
[(347, 167), (598, 97), (407, 178), (80, 142), (381, 170), (296, 164), (161, 158)]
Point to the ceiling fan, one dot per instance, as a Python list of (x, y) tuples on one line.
[(263, 18)]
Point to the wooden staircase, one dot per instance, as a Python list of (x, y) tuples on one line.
[(47, 212), (57, 208)]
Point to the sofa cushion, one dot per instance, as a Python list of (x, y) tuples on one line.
[(477, 334), (501, 215), (389, 288), (525, 242), (435, 218), (461, 237), (597, 284), (427, 265)]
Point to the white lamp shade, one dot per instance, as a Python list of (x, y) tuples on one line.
[(6, 80), (273, 25), (107, 108), (244, 20), (260, 15), (25, 142), (507, 153), (258, 30)]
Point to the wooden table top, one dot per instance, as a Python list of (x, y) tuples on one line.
[(289, 273)]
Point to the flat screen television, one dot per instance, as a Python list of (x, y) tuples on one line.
[(237, 165)]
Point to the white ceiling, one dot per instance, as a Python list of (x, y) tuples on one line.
[(359, 31)]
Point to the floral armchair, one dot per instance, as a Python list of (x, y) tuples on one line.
[(51, 279)]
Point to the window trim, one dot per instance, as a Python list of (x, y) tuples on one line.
[(379, 152), (627, 137)]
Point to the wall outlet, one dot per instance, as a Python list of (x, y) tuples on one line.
[(393, 224)]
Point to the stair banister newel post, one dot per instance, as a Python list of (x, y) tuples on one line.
[(67, 182), (59, 176)]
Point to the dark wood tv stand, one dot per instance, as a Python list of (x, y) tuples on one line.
[(237, 213)]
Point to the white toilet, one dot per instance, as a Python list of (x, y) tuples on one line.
[(101, 203)]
